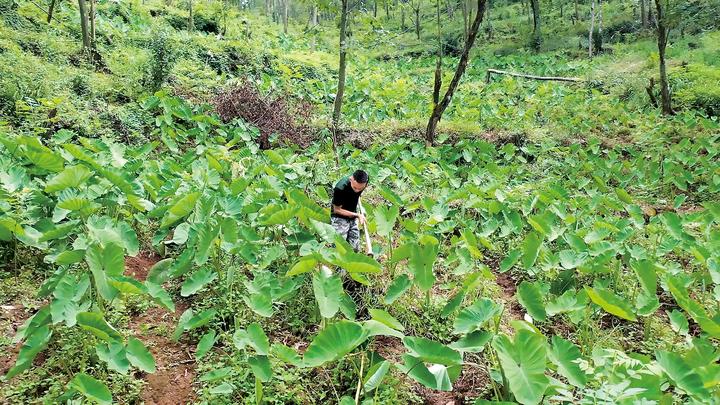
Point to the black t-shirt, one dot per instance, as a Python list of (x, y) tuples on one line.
[(345, 197)]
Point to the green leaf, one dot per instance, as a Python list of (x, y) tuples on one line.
[(436, 377), (334, 342), (140, 356), (473, 342), (565, 355), (474, 316), (385, 217), (305, 265), (72, 176), (91, 388), (397, 288), (94, 323), (35, 343), (530, 249), (160, 296), (611, 303), (206, 235), (375, 375), (286, 354), (260, 366), (45, 159), (530, 297), (420, 264), (384, 317), (180, 209), (432, 352), (679, 322), (258, 339), (114, 355), (693, 308), (509, 261), (328, 289), (205, 344), (623, 195), (375, 328), (523, 363), (158, 273), (197, 281), (682, 375)]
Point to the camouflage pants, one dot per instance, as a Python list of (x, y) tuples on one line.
[(348, 229)]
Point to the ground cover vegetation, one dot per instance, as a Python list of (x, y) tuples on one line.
[(166, 170)]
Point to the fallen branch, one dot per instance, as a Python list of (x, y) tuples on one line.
[(490, 72)]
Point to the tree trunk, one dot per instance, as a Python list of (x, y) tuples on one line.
[(462, 65), (286, 8), (662, 40), (592, 28), (50, 11), (191, 23), (450, 9), (387, 10), (537, 35), (488, 21), (337, 107), (465, 19), (92, 25), (417, 20), (600, 27), (577, 13), (643, 14), (375, 8), (402, 18), (84, 26), (438, 64)]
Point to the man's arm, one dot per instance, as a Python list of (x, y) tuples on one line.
[(348, 214)]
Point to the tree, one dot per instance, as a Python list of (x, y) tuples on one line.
[(440, 107), (85, 27), (537, 35), (286, 9), (643, 14), (663, 33), (341, 75), (415, 4), (592, 28), (50, 11), (191, 24)]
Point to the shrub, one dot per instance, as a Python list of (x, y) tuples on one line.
[(161, 61)]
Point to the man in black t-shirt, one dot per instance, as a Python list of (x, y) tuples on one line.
[(344, 207)]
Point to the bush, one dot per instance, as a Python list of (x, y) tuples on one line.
[(696, 88), (161, 61)]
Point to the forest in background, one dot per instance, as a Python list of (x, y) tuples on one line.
[(544, 219)]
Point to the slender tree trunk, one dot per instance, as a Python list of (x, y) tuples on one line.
[(50, 11), (387, 10), (450, 9), (537, 34), (191, 23), (84, 26), (662, 40), (438, 64), (562, 4), (592, 28), (577, 13), (643, 14), (286, 9), (465, 19), (92, 25), (341, 76), (402, 18), (488, 21), (600, 28), (375, 8), (462, 65), (417, 19)]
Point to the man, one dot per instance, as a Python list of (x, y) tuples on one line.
[(344, 207)]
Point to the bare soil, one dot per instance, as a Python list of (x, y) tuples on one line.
[(11, 318), (172, 382)]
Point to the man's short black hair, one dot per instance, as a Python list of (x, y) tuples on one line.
[(361, 176)]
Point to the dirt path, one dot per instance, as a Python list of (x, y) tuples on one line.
[(172, 383)]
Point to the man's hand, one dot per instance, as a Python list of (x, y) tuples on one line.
[(361, 218)]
